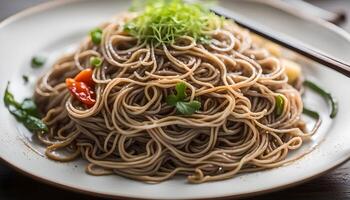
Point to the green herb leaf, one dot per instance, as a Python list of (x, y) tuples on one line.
[(163, 21), (279, 105), (95, 62), (96, 36), (19, 114), (9, 99), (25, 79), (185, 108), (311, 113), (38, 61), (188, 108), (34, 124), (29, 107), (326, 95), (181, 91), (171, 100), (25, 112)]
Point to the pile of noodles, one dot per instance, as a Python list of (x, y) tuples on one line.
[(132, 132)]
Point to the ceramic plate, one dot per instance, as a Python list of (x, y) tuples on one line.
[(57, 27)]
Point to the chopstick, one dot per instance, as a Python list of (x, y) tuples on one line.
[(333, 17), (285, 41)]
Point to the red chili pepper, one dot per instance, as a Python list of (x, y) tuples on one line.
[(81, 87), (85, 76)]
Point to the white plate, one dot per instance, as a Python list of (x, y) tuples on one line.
[(54, 27)]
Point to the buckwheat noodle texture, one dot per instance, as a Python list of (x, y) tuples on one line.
[(131, 130)]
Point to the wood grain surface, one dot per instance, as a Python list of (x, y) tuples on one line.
[(335, 185)]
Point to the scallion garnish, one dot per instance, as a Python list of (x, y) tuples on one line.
[(163, 21), (311, 113), (96, 36), (25, 79), (95, 62), (279, 105), (38, 61), (25, 112), (178, 100), (326, 95)]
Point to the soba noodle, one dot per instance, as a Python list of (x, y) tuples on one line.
[(132, 132)]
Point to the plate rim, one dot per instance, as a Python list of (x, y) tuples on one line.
[(273, 3)]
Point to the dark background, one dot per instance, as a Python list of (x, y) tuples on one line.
[(334, 185)]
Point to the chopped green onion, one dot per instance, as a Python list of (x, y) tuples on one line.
[(164, 21), (96, 36), (311, 113), (38, 61), (326, 95), (137, 5), (279, 105), (95, 62), (25, 79)]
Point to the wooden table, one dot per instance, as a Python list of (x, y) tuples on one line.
[(334, 185)]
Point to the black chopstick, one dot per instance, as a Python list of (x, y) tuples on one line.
[(286, 42)]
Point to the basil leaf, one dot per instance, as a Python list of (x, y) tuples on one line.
[(25, 112), (181, 91), (29, 106), (34, 124), (171, 100), (9, 98), (20, 115)]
